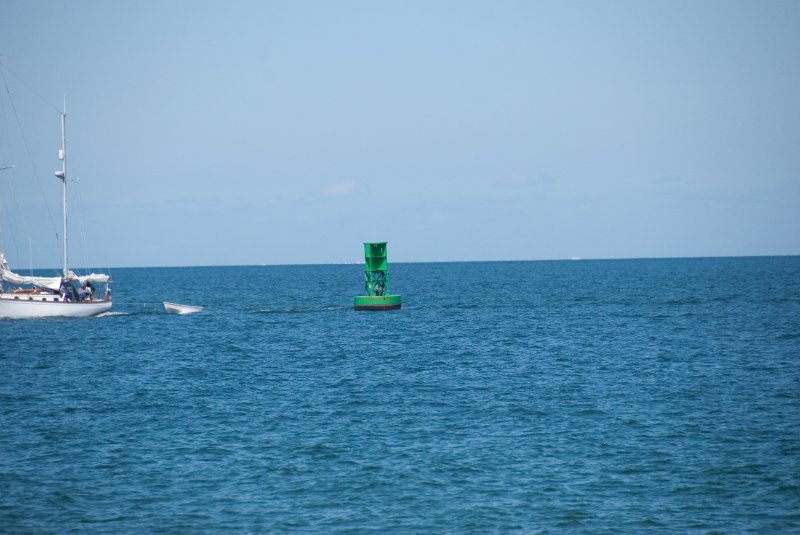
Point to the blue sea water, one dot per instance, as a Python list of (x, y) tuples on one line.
[(627, 396)]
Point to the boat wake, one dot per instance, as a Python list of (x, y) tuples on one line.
[(112, 313)]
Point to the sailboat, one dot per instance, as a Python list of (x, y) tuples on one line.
[(68, 295)]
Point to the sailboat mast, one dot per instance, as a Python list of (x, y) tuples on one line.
[(62, 174)]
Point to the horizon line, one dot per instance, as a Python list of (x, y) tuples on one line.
[(572, 259)]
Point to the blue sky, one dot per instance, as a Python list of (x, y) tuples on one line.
[(290, 132)]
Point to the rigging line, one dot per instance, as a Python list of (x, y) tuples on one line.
[(14, 216), (28, 150), (81, 229), (80, 223), (11, 213), (32, 90)]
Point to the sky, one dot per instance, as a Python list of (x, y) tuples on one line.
[(226, 133)]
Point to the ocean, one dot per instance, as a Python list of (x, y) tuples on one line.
[(593, 396)]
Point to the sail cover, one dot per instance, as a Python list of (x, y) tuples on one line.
[(91, 277), (52, 283)]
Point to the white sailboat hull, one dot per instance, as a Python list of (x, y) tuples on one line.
[(35, 307)]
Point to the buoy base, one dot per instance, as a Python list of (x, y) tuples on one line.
[(377, 302)]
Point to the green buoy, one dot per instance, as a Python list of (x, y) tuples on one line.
[(376, 280)]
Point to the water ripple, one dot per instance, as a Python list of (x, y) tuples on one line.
[(593, 397)]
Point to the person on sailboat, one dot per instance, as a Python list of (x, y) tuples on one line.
[(69, 293)]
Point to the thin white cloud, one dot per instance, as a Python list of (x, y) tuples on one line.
[(523, 181), (346, 187), (518, 180)]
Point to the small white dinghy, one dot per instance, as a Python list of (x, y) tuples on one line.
[(175, 308)]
